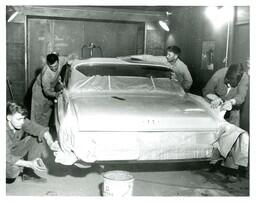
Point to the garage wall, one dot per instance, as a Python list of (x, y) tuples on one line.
[(155, 39), (15, 49), (241, 41), (70, 36), (189, 28)]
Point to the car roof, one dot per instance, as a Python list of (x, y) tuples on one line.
[(118, 60)]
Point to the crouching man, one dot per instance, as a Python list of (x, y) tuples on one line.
[(21, 136)]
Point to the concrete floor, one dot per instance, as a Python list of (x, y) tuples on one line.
[(179, 179)]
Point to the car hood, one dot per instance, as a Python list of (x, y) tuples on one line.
[(124, 112)]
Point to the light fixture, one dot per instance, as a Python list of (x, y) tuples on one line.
[(219, 15), (11, 13), (168, 13), (211, 12), (164, 25)]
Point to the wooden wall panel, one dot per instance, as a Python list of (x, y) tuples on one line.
[(241, 44), (15, 53), (155, 42), (39, 44), (68, 36), (15, 33), (140, 39), (115, 39)]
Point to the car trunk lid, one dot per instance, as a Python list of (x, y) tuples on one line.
[(124, 112)]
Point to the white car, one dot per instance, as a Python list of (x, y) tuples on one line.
[(130, 110)]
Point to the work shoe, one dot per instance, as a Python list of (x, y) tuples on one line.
[(215, 167), (10, 180), (232, 179), (243, 172), (99, 168), (33, 178)]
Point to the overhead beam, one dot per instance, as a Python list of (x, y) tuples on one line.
[(96, 13)]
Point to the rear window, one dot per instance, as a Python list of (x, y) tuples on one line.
[(125, 70), (126, 78)]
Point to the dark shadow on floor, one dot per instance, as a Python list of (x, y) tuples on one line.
[(238, 188), (155, 167), (60, 170)]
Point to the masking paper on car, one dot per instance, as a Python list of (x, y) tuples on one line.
[(234, 140), (149, 145), (127, 84), (69, 143), (229, 138)]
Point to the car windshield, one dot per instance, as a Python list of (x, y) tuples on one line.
[(125, 77)]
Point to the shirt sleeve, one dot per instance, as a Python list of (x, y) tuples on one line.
[(34, 129), (211, 84), (242, 89), (46, 84), (187, 82), (63, 60)]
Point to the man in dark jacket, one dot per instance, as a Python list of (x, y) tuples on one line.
[(227, 88), (21, 135)]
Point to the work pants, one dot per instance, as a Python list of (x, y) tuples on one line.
[(23, 148)]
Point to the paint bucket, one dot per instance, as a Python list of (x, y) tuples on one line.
[(118, 183)]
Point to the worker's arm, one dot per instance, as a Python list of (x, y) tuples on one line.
[(50, 79), (23, 163), (28, 164), (211, 84), (47, 87), (242, 89), (239, 98), (209, 90), (36, 164), (34, 128), (187, 79), (53, 145), (39, 131)]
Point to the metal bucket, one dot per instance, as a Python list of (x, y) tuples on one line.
[(118, 183)]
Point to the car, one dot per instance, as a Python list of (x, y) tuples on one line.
[(124, 109)]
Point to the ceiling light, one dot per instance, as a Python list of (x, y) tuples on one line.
[(11, 13), (168, 13), (219, 15), (164, 25), (13, 16)]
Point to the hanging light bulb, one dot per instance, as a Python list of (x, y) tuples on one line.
[(219, 16), (164, 25), (211, 12)]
